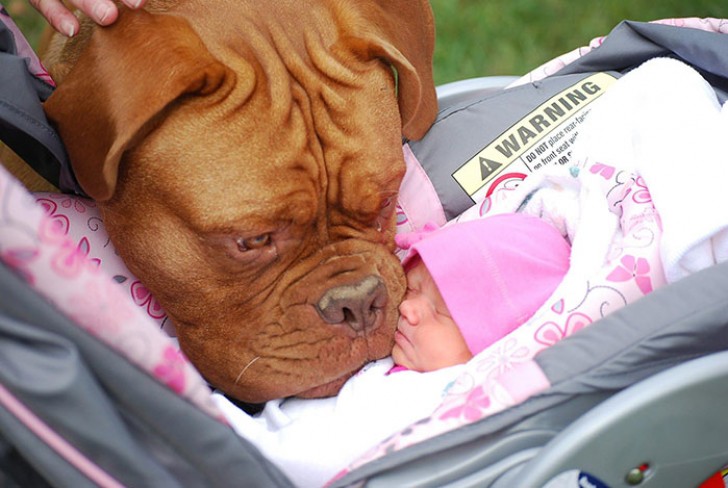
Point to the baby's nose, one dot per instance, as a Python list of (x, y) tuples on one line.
[(408, 311)]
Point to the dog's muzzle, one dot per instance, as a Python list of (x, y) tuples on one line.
[(359, 305)]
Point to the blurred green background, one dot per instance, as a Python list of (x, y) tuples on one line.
[(497, 37)]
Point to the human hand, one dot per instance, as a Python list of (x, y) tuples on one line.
[(103, 12)]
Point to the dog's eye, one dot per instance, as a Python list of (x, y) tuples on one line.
[(386, 207), (253, 243)]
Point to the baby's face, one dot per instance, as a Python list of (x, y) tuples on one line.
[(427, 338)]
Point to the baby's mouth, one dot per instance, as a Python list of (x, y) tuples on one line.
[(399, 336)]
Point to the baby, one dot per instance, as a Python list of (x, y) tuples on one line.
[(468, 285), (471, 283)]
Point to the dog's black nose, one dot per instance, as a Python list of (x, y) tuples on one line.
[(356, 305)]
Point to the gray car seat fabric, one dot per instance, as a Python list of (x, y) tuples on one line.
[(632, 43), (669, 430), (686, 320), (23, 124), (134, 429)]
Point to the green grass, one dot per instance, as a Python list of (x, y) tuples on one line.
[(28, 20), (497, 37)]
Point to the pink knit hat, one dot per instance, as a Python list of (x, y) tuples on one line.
[(494, 273)]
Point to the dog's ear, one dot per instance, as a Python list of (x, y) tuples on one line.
[(119, 88), (402, 32)]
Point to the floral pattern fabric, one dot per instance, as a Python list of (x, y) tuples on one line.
[(37, 241)]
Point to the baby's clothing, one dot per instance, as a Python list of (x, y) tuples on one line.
[(312, 440)]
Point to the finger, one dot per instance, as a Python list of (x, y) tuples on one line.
[(60, 18), (134, 3), (103, 12)]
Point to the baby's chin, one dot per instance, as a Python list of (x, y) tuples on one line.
[(399, 357)]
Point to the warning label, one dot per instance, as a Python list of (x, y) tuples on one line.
[(543, 137)]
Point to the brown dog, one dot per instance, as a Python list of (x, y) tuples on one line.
[(246, 156)]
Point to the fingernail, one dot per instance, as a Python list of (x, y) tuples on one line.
[(101, 12), (68, 28), (135, 3)]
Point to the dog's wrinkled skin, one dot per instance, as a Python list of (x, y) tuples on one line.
[(246, 156)]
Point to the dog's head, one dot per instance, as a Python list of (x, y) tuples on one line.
[(247, 166)]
